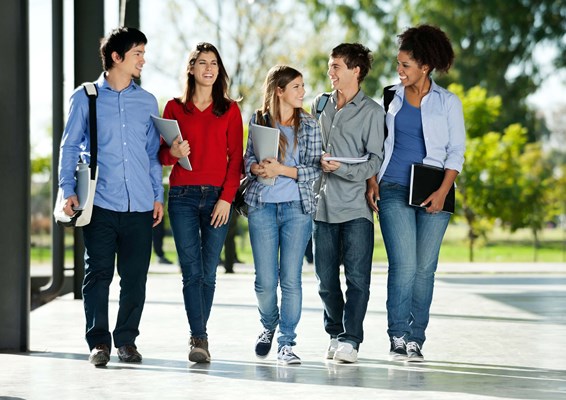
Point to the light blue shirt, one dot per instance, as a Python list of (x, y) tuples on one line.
[(285, 188), (443, 128), (129, 172)]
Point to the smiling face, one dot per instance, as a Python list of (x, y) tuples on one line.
[(133, 61), (342, 78), (293, 93), (205, 69), (410, 73)]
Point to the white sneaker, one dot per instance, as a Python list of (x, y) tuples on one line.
[(332, 348), (286, 356), (346, 353)]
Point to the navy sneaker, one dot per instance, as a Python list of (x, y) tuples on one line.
[(264, 342), (398, 349)]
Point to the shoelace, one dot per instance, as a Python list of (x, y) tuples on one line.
[(398, 342), (264, 336), (287, 352)]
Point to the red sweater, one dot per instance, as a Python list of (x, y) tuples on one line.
[(216, 148)]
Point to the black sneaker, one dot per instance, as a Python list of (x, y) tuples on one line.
[(264, 342), (398, 350), (414, 352)]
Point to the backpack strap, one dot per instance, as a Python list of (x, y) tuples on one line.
[(388, 96), (321, 104), (92, 93)]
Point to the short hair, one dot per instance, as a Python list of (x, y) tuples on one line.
[(428, 45), (120, 40), (354, 55)]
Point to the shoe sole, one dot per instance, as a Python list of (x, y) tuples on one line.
[(199, 356), (130, 360), (345, 358), (415, 359), (397, 357), (294, 362)]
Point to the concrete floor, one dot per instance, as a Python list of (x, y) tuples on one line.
[(496, 332)]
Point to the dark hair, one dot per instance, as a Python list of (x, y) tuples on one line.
[(120, 40), (279, 76), (428, 45), (354, 55), (220, 99)]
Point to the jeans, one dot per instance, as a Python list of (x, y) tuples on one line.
[(412, 240), (349, 243), (127, 235), (198, 246), (279, 233)]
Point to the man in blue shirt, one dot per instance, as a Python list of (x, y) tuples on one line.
[(129, 194)]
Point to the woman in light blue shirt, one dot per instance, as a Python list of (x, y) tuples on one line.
[(280, 215), (426, 125)]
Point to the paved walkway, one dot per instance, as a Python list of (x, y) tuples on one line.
[(496, 332)]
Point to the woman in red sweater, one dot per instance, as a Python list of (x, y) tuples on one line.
[(200, 199)]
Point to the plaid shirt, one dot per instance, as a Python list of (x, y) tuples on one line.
[(308, 170)]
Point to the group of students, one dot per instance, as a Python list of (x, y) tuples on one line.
[(330, 201)]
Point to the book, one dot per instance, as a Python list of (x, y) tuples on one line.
[(266, 145), (348, 160), (425, 179), (169, 131)]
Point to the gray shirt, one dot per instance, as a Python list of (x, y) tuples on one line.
[(353, 131)]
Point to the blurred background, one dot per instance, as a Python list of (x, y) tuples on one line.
[(509, 72)]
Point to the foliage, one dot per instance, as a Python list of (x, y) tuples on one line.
[(494, 42)]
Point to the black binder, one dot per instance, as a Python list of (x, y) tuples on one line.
[(426, 179)]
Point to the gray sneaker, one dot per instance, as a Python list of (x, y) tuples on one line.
[(199, 350), (287, 357)]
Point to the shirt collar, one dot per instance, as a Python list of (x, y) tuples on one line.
[(102, 83)]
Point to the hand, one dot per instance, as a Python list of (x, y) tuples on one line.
[(271, 168), (328, 166), (180, 148), (220, 214), (434, 203), (372, 193), (157, 213), (70, 203)]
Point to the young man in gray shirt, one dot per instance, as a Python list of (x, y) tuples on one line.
[(352, 126)]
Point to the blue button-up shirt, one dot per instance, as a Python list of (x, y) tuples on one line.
[(129, 172), (443, 128)]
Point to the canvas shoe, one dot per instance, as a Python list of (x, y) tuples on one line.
[(332, 346), (398, 349), (346, 353), (414, 352), (287, 357), (264, 342)]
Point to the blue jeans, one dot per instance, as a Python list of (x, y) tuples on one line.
[(279, 233), (349, 243), (412, 240), (198, 246), (127, 237)]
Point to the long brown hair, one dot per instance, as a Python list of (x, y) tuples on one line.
[(279, 76), (220, 99)]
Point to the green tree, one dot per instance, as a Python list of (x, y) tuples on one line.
[(494, 41)]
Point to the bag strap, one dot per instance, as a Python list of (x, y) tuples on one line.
[(92, 93), (388, 96), (321, 104)]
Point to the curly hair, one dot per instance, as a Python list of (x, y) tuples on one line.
[(354, 55), (428, 45)]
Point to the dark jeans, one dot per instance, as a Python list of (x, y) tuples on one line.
[(126, 235), (351, 243), (198, 245)]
